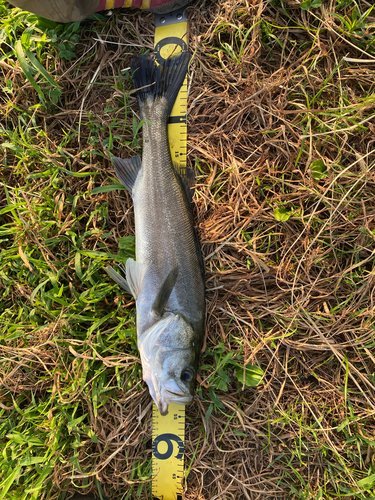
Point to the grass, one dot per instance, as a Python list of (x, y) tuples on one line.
[(281, 133)]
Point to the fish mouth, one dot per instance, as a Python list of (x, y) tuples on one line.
[(163, 396), (179, 394), (163, 401), (182, 399), (173, 392)]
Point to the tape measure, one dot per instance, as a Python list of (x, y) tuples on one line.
[(171, 38), (168, 433), (168, 436)]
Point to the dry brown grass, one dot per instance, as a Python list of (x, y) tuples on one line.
[(295, 297)]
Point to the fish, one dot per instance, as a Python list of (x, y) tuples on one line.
[(167, 276)]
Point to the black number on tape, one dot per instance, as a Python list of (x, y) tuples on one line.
[(170, 40), (168, 438)]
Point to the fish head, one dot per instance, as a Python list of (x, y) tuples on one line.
[(169, 361)]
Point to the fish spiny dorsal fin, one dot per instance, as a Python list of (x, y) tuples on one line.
[(164, 292), (127, 170), (134, 276), (120, 280)]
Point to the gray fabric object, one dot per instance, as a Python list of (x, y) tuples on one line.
[(66, 11), (61, 11)]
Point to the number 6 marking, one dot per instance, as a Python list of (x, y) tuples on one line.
[(168, 438)]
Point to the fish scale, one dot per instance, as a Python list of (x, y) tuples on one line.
[(165, 218)]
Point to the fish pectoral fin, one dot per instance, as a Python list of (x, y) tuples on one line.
[(134, 275), (164, 292), (127, 170), (120, 280)]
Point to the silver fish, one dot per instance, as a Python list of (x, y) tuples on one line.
[(167, 277)]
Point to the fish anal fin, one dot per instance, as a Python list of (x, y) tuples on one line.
[(164, 292), (134, 276), (127, 170)]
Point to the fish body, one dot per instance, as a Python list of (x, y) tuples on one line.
[(167, 278)]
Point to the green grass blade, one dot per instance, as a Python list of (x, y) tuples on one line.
[(107, 189), (7, 483), (27, 70), (34, 61)]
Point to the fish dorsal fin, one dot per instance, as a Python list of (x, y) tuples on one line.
[(120, 280), (134, 276), (187, 181), (187, 178), (127, 170), (164, 292)]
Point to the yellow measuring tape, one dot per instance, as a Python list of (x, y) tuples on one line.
[(168, 436), (168, 433), (170, 38)]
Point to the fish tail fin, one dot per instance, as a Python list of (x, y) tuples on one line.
[(153, 82)]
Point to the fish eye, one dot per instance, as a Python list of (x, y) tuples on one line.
[(187, 374)]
